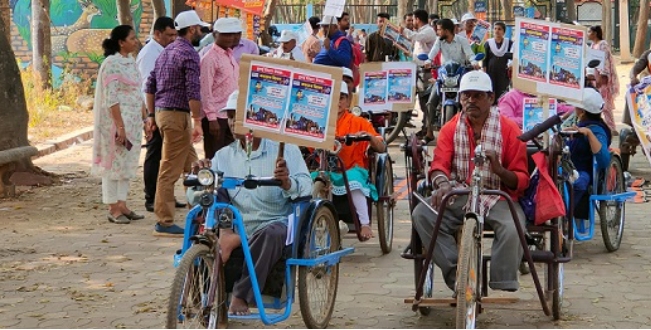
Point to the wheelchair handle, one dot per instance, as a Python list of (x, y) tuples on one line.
[(251, 183), (540, 128), (349, 139)]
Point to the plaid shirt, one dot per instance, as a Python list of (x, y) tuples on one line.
[(175, 78)]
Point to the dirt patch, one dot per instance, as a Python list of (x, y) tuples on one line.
[(59, 123)]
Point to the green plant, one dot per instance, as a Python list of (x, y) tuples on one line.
[(95, 57)]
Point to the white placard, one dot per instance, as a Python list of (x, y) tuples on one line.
[(596, 54), (334, 7)]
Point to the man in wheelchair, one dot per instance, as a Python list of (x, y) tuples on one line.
[(452, 166), (594, 140), (264, 210), (355, 161)]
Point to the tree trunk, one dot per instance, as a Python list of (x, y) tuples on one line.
[(402, 9), (507, 6), (6, 17), (124, 12), (41, 43), (571, 10), (607, 21), (159, 8), (640, 35)]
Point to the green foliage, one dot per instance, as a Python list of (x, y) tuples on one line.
[(95, 57)]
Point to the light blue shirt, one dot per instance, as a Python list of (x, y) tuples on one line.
[(264, 205)]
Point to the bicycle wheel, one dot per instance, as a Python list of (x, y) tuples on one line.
[(403, 119), (186, 308), (557, 296), (467, 288), (385, 210), (610, 212), (317, 285)]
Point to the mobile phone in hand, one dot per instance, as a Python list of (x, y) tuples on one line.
[(127, 144)]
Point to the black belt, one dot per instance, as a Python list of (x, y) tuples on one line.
[(173, 109)]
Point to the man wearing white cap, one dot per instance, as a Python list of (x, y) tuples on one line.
[(506, 170), (219, 78), (174, 105), (264, 211), (288, 48), (337, 49), (469, 22)]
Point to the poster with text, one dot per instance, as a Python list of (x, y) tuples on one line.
[(533, 112), (375, 90), (401, 83), (309, 106), (639, 107), (480, 33), (532, 52), (566, 58), (268, 91)]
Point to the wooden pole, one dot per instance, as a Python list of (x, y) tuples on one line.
[(624, 33)]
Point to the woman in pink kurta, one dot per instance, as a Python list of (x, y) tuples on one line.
[(608, 83)]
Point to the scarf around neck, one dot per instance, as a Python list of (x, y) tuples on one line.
[(499, 51)]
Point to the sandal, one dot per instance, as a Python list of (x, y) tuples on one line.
[(134, 216), (121, 219)]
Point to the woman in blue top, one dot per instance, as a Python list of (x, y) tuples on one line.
[(594, 140)]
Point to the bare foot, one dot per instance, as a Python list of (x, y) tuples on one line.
[(367, 233), (238, 307), (228, 241)]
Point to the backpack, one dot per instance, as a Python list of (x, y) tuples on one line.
[(358, 59)]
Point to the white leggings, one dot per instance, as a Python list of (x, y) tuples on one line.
[(361, 205), (114, 190)]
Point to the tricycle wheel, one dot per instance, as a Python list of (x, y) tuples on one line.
[(403, 119), (317, 285), (611, 214), (385, 210), (467, 288), (557, 296)]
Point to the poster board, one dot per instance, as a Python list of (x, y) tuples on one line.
[(392, 32), (255, 7), (387, 86), (288, 101), (596, 54), (639, 107), (533, 112), (334, 8), (480, 32), (549, 59)]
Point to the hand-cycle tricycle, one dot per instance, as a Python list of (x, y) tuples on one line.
[(200, 292)]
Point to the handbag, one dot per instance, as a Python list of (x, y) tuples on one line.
[(549, 203)]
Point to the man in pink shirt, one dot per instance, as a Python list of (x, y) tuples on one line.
[(219, 78), (244, 46)]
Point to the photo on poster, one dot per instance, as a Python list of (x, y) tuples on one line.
[(401, 84), (532, 51), (375, 88), (268, 91), (309, 106), (566, 57), (532, 113), (480, 33)]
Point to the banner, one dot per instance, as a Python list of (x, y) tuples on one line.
[(639, 107), (533, 112), (255, 7), (549, 59), (288, 101), (388, 86), (392, 32)]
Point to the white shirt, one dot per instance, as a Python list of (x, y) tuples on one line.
[(423, 39), (458, 50), (296, 53), (146, 61)]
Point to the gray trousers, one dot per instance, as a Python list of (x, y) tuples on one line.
[(507, 250), (267, 245)]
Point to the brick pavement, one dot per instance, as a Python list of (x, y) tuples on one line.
[(63, 265)]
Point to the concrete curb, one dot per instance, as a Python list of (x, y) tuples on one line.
[(64, 142)]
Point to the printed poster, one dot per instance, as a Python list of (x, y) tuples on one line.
[(392, 32), (566, 58), (532, 52), (375, 89), (401, 83), (533, 113), (480, 33), (288, 101), (639, 107), (267, 97), (309, 106)]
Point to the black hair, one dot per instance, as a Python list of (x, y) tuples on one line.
[(597, 29), (501, 24), (342, 16), (593, 116), (446, 24), (162, 23), (384, 15), (364, 30), (433, 17), (407, 14), (421, 14), (184, 31), (314, 22), (111, 45)]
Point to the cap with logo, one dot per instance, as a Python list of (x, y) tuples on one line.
[(476, 81), (188, 18), (231, 104), (287, 35), (227, 25), (592, 101)]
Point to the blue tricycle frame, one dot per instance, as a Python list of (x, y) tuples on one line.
[(305, 210)]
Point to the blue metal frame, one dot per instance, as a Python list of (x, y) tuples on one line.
[(304, 210)]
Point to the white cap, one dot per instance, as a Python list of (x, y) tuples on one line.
[(328, 20), (344, 88), (188, 18), (467, 16), (287, 35), (231, 104), (348, 73), (476, 81), (227, 25), (592, 101), (454, 20)]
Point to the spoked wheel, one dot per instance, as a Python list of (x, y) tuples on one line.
[(611, 215), (317, 286), (428, 285), (385, 209), (467, 287), (403, 119), (187, 304)]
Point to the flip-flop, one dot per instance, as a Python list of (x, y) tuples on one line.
[(121, 219), (134, 216)]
